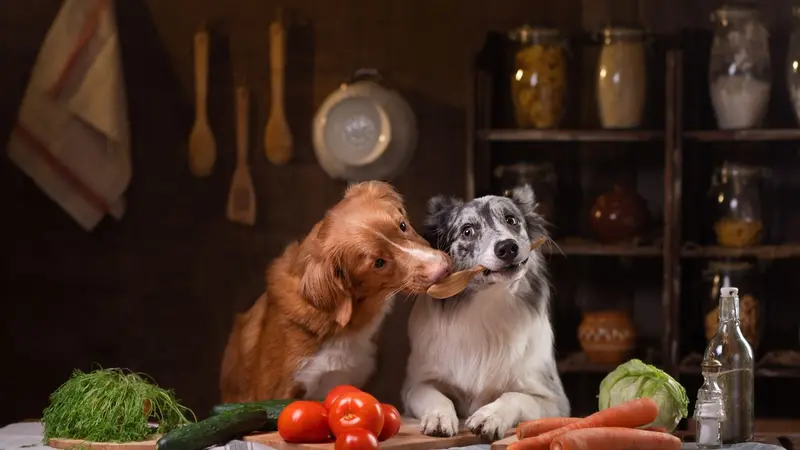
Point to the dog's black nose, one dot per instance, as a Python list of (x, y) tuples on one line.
[(506, 250)]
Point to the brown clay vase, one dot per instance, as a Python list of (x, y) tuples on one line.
[(619, 215), (607, 337)]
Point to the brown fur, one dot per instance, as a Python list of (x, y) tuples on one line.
[(321, 287)]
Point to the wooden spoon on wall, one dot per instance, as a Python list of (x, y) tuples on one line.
[(458, 281), (202, 148), (277, 136)]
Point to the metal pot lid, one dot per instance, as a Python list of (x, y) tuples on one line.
[(364, 131)]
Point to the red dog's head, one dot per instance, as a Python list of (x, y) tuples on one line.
[(363, 252)]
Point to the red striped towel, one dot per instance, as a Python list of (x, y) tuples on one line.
[(72, 132)]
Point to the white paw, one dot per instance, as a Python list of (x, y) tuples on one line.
[(489, 422), (439, 424)]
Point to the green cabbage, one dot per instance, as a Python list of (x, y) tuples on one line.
[(635, 379)]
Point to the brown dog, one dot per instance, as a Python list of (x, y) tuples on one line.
[(326, 298)]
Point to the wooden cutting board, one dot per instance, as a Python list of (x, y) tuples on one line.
[(503, 443), (77, 443), (408, 438)]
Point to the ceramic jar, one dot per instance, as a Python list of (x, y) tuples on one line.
[(607, 337), (619, 215)]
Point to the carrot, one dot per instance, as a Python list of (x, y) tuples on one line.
[(632, 414), (533, 428), (536, 427), (614, 438)]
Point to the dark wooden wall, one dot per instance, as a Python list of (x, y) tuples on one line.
[(156, 292)]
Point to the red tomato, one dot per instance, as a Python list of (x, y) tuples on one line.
[(334, 393), (356, 410), (304, 421), (356, 439), (391, 422)]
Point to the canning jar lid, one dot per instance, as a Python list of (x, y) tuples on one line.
[(729, 266), (734, 170), (528, 34), (614, 32)]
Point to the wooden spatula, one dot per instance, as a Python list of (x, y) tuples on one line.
[(202, 148), (277, 136), (458, 281), (242, 197)]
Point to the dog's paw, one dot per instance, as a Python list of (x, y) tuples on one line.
[(439, 424), (489, 423)]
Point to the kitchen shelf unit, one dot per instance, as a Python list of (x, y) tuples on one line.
[(485, 139)]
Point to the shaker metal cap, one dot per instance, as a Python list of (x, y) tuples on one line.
[(729, 292)]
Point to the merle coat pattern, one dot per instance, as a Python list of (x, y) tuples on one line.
[(485, 355)]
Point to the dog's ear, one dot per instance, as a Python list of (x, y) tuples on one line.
[(439, 210), (324, 284), (525, 200)]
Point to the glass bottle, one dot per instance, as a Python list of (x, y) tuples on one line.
[(793, 63), (622, 77), (736, 195), (709, 410), (747, 278), (730, 348), (739, 71), (539, 77)]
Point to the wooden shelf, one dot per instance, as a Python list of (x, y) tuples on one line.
[(579, 363), (690, 365), (522, 135), (788, 134), (580, 247), (761, 251)]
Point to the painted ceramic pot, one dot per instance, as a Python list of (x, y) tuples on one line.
[(607, 337), (618, 215)]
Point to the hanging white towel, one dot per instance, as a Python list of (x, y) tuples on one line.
[(72, 133)]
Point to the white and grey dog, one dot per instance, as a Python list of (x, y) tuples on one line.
[(487, 354)]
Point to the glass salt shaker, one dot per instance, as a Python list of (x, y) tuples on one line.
[(709, 410)]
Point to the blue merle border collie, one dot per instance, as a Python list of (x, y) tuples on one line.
[(485, 355)]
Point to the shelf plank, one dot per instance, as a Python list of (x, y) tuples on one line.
[(579, 363), (755, 135), (761, 251), (690, 365), (589, 248), (520, 135)]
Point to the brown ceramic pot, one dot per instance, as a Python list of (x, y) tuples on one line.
[(607, 337), (618, 215)]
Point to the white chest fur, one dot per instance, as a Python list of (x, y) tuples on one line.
[(488, 346), (347, 359)]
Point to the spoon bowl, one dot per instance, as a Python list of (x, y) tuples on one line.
[(459, 281)]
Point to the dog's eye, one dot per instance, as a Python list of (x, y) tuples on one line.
[(467, 230), (403, 227), (511, 220), (379, 263)]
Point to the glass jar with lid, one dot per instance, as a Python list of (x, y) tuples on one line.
[(739, 71), (746, 277), (793, 63), (539, 76), (736, 196), (540, 177), (622, 77)]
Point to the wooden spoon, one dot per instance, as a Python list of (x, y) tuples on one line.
[(458, 281), (202, 148), (277, 136)]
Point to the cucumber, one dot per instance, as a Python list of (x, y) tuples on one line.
[(219, 429), (272, 407)]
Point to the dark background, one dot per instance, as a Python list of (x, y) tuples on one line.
[(157, 291)]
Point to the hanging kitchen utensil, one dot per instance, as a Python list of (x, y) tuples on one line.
[(364, 130), (242, 197), (277, 136), (202, 148)]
